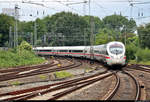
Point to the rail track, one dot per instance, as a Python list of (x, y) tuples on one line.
[(40, 70), (68, 86), (137, 93), (25, 68), (140, 67), (71, 86)]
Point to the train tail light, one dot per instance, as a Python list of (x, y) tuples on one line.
[(107, 57)]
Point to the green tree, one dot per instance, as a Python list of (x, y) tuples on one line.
[(132, 38), (97, 22), (104, 36), (5, 23), (25, 30), (131, 51), (41, 27), (120, 25), (25, 46), (67, 28), (144, 35)]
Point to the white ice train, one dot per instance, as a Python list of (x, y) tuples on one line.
[(112, 53)]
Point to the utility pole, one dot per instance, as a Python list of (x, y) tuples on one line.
[(131, 10), (44, 39), (31, 38), (63, 40), (91, 31), (125, 35), (84, 8), (35, 33), (109, 36), (84, 31), (16, 26), (10, 37)]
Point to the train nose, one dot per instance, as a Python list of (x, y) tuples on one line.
[(117, 59)]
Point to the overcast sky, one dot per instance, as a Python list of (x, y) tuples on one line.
[(100, 8)]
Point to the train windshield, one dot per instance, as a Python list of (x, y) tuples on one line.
[(116, 49)]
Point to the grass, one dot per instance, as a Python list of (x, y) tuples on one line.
[(141, 62), (43, 77), (16, 83), (63, 74), (14, 58), (88, 69)]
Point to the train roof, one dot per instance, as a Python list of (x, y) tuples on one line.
[(75, 47), (115, 42), (61, 47)]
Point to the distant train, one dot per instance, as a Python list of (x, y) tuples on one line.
[(112, 53)]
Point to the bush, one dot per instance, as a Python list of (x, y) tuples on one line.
[(143, 54), (20, 56), (130, 51), (25, 46), (24, 57)]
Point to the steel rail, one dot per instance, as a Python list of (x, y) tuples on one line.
[(86, 82), (138, 88), (61, 85), (49, 85), (138, 67), (24, 68), (39, 72), (58, 95), (113, 92)]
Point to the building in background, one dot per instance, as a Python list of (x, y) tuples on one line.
[(10, 11)]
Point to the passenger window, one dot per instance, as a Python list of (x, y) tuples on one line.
[(63, 51), (77, 51), (106, 53), (54, 50), (96, 51), (45, 50)]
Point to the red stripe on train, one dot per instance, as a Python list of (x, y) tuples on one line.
[(73, 53)]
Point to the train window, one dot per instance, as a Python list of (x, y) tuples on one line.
[(45, 50), (63, 51), (105, 46), (54, 50), (77, 50), (116, 49), (85, 51), (36, 50), (106, 53), (96, 51), (100, 52)]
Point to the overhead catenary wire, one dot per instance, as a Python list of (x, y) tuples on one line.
[(77, 11), (99, 5), (41, 5), (142, 3), (66, 3)]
